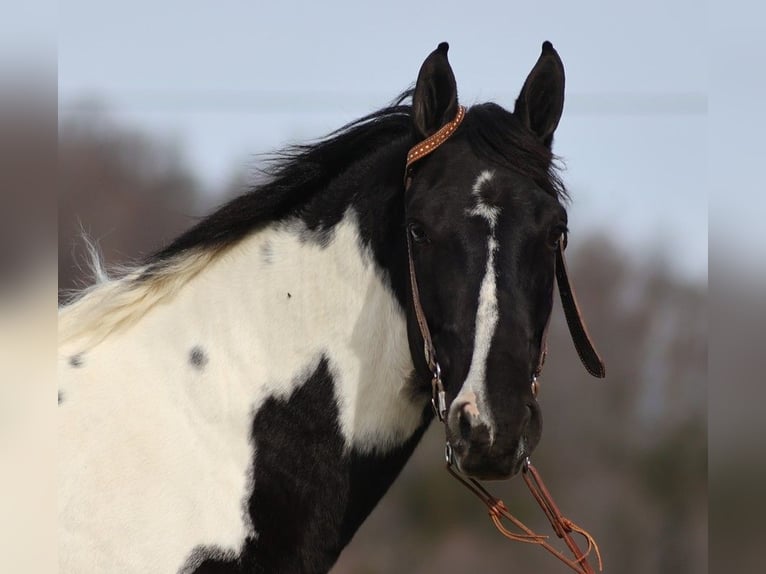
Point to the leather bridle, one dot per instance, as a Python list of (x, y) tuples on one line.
[(562, 526)]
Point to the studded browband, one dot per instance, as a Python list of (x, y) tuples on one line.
[(432, 142)]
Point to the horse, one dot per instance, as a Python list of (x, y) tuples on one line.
[(241, 400)]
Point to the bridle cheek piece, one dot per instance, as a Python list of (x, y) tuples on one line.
[(562, 526)]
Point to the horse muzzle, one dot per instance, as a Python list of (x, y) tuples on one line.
[(477, 450)]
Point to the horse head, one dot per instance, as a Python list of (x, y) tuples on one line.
[(485, 219)]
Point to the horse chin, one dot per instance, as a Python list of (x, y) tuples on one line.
[(489, 469), (495, 477), (491, 474)]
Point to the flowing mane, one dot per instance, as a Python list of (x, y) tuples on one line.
[(295, 174)]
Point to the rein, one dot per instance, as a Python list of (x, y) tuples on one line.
[(562, 526)]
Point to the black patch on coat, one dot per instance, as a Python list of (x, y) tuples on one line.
[(197, 358), (310, 496), (61, 397), (203, 559), (75, 361)]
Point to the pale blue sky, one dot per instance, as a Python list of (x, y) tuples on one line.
[(230, 79)]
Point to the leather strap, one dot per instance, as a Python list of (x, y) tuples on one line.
[(428, 145), (429, 352), (438, 396), (417, 152), (562, 526), (543, 348), (577, 329)]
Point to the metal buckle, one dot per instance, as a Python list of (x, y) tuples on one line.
[(449, 455), (442, 405), (438, 396), (439, 404)]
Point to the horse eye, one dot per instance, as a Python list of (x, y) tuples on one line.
[(417, 233), (558, 236)]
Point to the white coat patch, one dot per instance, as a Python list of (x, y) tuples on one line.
[(155, 452)]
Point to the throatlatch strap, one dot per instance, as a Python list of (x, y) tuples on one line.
[(577, 329)]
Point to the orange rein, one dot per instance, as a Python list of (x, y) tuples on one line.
[(562, 526)]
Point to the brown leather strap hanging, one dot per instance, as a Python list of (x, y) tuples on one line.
[(429, 352), (577, 329), (438, 396)]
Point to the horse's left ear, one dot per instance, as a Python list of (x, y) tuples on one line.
[(434, 102), (541, 100)]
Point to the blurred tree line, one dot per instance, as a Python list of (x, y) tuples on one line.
[(128, 192), (626, 457)]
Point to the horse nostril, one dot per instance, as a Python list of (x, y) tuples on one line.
[(464, 424), (468, 426)]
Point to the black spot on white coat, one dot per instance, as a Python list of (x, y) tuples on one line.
[(267, 253), (75, 361), (197, 358)]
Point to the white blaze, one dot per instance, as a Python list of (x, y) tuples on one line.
[(486, 314)]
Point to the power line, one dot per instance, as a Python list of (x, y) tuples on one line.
[(337, 102)]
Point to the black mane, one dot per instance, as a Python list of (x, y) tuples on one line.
[(298, 172), (497, 135)]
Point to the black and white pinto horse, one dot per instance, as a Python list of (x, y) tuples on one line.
[(242, 401)]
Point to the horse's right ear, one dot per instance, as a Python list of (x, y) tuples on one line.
[(435, 100)]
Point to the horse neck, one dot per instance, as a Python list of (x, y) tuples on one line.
[(326, 282), (292, 343)]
